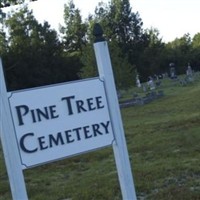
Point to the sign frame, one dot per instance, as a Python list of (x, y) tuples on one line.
[(10, 147)]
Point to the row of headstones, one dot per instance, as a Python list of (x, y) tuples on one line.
[(172, 71), (154, 82), (138, 100), (189, 78), (151, 84)]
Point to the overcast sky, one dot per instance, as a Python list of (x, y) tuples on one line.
[(173, 18)]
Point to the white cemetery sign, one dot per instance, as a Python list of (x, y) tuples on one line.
[(62, 120), (45, 124)]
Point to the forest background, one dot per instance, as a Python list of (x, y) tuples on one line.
[(33, 54)]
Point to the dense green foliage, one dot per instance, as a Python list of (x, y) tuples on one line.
[(7, 3), (33, 54)]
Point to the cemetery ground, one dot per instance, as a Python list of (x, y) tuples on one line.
[(163, 139)]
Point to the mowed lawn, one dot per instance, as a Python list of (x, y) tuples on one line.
[(163, 139)]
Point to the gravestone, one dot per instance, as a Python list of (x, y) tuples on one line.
[(151, 83), (172, 71), (138, 81), (189, 73)]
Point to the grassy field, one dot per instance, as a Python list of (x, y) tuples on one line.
[(163, 139)]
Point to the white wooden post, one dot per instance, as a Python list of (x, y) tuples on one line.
[(119, 147), (9, 144)]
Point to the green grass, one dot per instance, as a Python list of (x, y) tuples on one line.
[(163, 139)]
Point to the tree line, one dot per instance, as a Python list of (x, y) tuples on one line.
[(34, 54)]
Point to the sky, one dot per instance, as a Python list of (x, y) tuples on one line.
[(173, 18)]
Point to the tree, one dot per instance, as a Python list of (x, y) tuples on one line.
[(126, 29), (124, 72), (196, 41), (89, 62), (122, 69), (150, 58), (195, 52), (35, 55), (123, 31), (7, 3), (126, 25), (180, 52), (3, 43), (74, 30)]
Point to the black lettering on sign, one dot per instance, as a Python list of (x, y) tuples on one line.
[(69, 104), (35, 115), (23, 141), (78, 105), (65, 137), (22, 110)]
